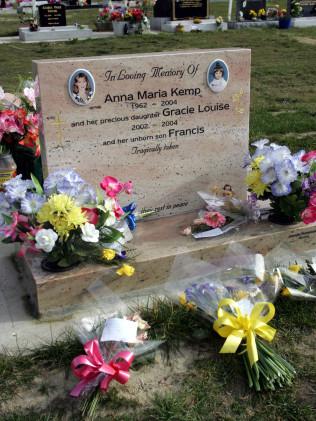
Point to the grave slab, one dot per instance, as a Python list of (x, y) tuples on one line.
[(155, 246), (205, 26), (304, 22), (55, 33)]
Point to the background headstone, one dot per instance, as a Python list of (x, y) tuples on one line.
[(52, 15), (185, 9), (154, 120), (309, 8), (247, 5), (163, 9)]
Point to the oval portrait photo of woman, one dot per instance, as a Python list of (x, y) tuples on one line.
[(81, 87), (217, 75)]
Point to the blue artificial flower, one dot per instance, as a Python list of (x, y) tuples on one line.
[(86, 195), (32, 203), (286, 172), (280, 153), (267, 163), (278, 189), (269, 176), (130, 218), (300, 166), (16, 188)]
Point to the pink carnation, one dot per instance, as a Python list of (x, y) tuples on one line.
[(308, 215), (214, 219)]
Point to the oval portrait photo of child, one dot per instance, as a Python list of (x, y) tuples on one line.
[(217, 75), (81, 87)]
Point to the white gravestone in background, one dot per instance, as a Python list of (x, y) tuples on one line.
[(160, 120)]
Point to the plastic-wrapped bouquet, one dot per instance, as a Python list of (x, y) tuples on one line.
[(298, 271), (68, 220), (237, 295), (111, 343), (223, 213), (287, 179)]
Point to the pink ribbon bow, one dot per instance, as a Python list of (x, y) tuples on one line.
[(88, 367)]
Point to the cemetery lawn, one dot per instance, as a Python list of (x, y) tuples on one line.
[(188, 380), (282, 88)]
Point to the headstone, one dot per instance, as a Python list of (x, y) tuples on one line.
[(174, 123), (309, 8), (52, 15), (245, 6), (185, 9), (181, 9)]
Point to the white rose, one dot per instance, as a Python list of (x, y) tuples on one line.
[(45, 239), (89, 233)]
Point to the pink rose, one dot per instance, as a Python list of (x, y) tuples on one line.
[(308, 215), (214, 219), (111, 186)]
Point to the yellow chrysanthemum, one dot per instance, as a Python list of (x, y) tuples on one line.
[(255, 163), (108, 254), (285, 292), (187, 304), (126, 270), (62, 213), (253, 181), (295, 268)]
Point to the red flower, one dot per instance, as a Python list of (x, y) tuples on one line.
[(308, 215), (308, 156), (92, 215)]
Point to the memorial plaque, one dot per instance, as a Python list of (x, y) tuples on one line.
[(247, 5), (52, 15), (186, 9), (173, 123), (309, 8)]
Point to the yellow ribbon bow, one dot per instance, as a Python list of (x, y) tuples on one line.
[(235, 327)]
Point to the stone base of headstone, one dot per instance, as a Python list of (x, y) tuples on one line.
[(156, 23), (253, 24), (206, 25), (156, 244), (304, 22), (55, 33)]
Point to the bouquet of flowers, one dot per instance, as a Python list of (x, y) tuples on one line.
[(298, 271), (237, 295), (104, 14), (19, 126), (287, 179), (223, 213), (110, 344), (68, 220)]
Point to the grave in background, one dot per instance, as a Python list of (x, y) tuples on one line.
[(52, 15)]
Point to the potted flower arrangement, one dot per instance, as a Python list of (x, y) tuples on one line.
[(19, 139), (287, 179), (68, 220), (119, 22), (103, 22), (284, 18)]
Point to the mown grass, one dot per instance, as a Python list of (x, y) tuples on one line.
[(213, 388)]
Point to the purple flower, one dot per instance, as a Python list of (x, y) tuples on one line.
[(278, 189), (286, 172), (32, 203), (16, 188)]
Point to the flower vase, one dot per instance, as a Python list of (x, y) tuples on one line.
[(104, 26), (53, 267), (285, 23), (120, 28), (7, 168), (281, 219)]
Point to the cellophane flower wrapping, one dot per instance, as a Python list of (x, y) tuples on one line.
[(222, 214), (241, 280), (297, 269), (93, 327)]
